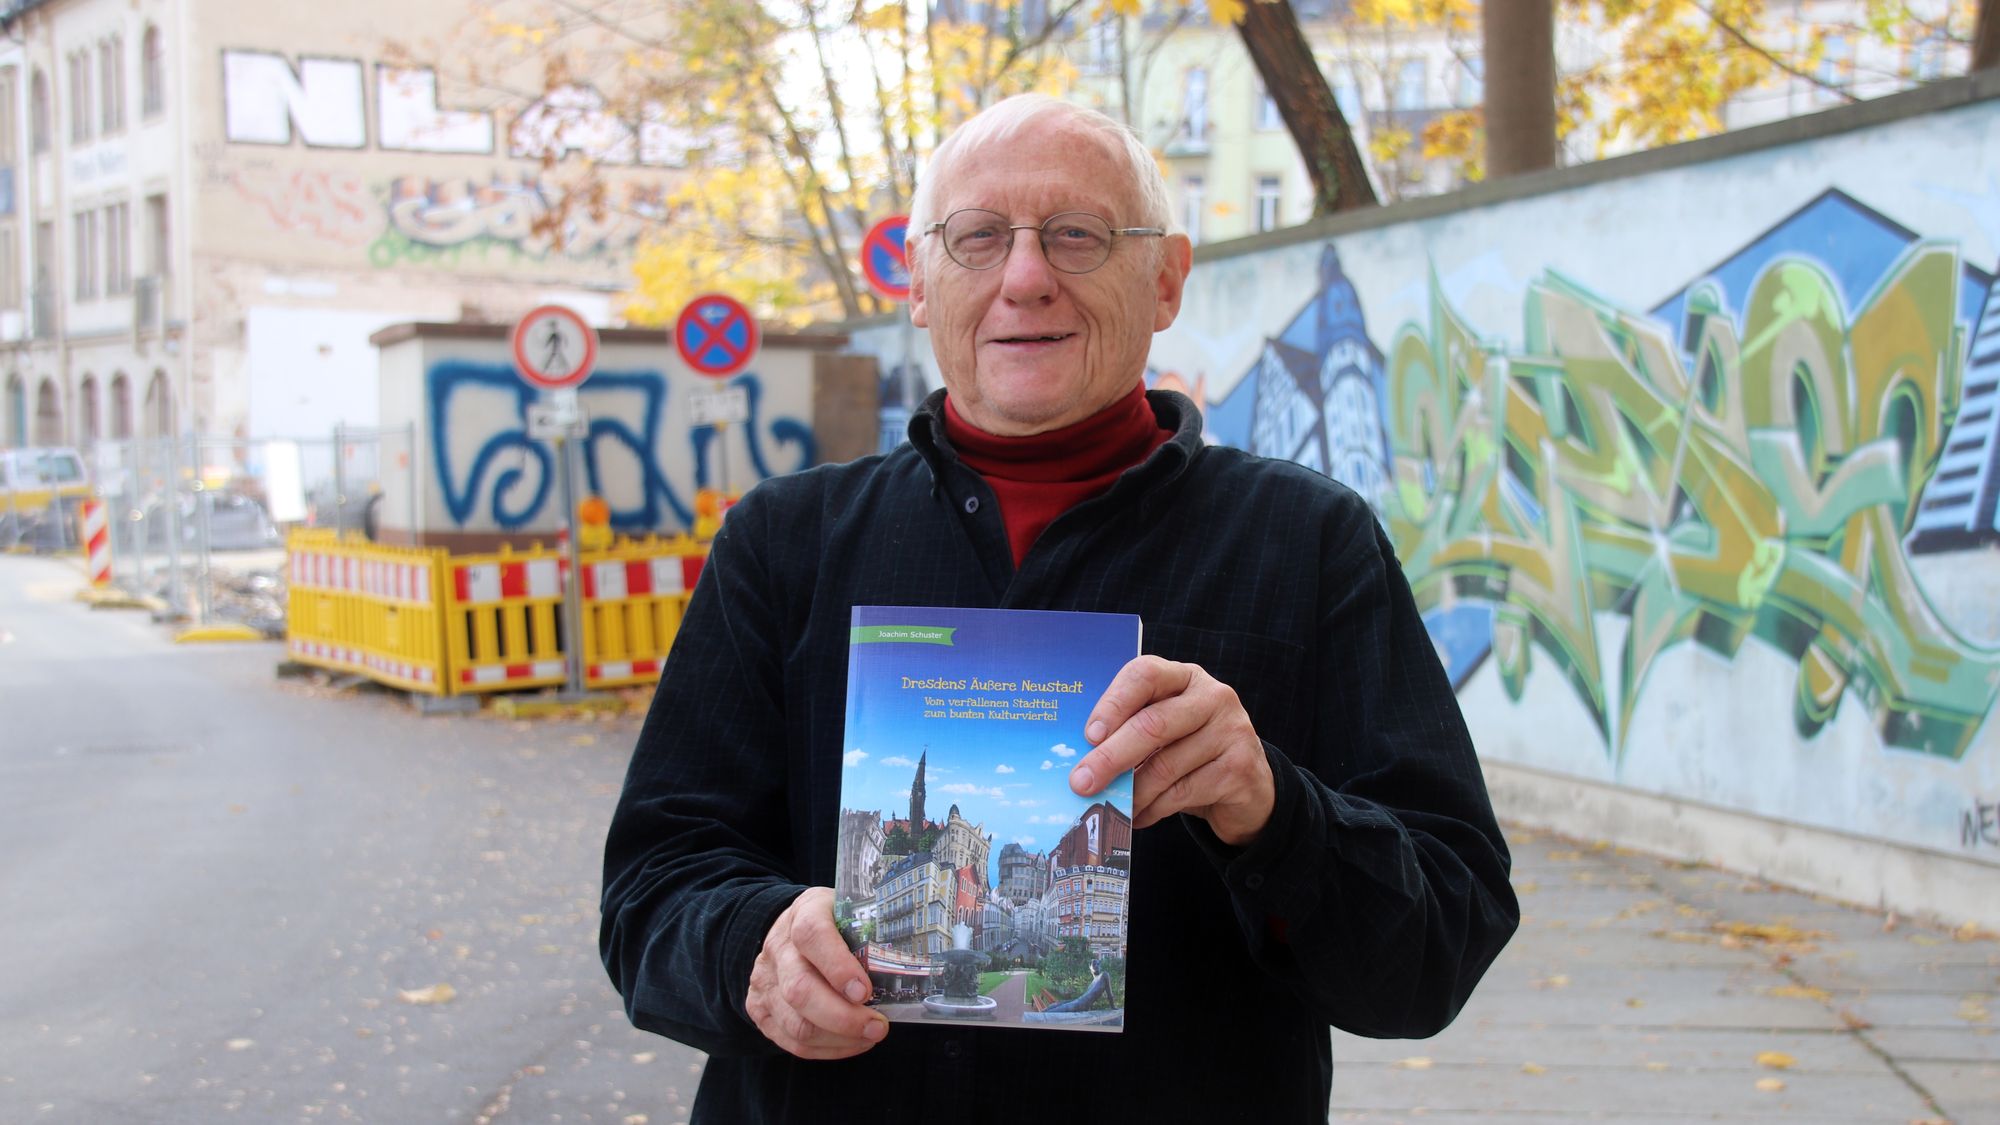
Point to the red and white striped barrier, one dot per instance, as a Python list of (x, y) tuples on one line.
[(97, 542), (617, 580), (488, 583)]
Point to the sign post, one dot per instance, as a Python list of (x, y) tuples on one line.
[(556, 350), (885, 264), (717, 337)]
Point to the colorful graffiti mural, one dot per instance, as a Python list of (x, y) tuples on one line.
[(1744, 461), (498, 476)]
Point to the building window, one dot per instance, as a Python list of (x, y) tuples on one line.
[(159, 246), (87, 410), (118, 248), (1409, 85), (1193, 202), (1267, 202), (159, 406), (111, 83), (10, 270), (38, 112), (1268, 118), (152, 74), (1101, 46), (9, 138), (79, 97), (1836, 69), (1472, 82), (1346, 94), (121, 407), (1194, 104), (83, 224)]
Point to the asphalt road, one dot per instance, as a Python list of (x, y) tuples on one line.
[(225, 893)]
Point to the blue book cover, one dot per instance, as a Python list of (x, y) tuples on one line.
[(971, 882)]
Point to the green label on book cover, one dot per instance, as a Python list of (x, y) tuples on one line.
[(901, 634)]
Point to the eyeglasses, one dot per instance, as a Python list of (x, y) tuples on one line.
[(1073, 242)]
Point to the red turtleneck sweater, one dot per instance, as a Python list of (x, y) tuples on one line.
[(1041, 476)]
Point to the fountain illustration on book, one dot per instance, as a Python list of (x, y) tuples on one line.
[(960, 998)]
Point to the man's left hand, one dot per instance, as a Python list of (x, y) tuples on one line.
[(1190, 743)]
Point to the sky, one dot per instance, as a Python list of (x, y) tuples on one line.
[(1011, 775)]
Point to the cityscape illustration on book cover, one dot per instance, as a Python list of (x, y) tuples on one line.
[(970, 881)]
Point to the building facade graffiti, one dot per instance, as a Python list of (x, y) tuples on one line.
[(481, 473)]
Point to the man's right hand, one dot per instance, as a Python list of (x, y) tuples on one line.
[(807, 990)]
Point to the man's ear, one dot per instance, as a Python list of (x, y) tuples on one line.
[(1176, 259), (913, 253)]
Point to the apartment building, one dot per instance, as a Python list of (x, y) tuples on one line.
[(207, 206)]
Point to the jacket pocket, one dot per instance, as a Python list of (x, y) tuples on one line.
[(1264, 671)]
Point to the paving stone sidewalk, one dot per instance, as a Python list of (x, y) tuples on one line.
[(1639, 990)]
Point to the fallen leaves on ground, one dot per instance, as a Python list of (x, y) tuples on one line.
[(1854, 1022), (1553, 980), (1776, 1060), (435, 994), (1414, 1062), (1770, 1085), (1799, 992), (1533, 1068)]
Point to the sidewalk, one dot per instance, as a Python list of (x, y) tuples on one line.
[(1640, 990)]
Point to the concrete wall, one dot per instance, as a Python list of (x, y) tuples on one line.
[(482, 479), (1691, 461)]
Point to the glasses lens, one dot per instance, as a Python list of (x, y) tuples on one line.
[(1076, 242), (976, 239)]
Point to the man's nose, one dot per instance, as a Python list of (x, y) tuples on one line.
[(1026, 274)]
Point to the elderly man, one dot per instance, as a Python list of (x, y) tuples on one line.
[(1313, 842)]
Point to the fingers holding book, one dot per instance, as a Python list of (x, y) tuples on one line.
[(807, 992), (1190, 744)]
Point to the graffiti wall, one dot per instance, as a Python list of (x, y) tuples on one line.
[(1693, 474), (359, 163), (656, 433)]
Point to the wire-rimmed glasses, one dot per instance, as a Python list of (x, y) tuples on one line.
[(1073, 242)]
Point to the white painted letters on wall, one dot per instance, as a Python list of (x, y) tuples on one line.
[(408, 117), (264, 99)]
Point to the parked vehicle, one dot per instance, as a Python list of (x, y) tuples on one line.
[(40, 489)]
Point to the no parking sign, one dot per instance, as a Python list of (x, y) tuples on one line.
[(716, 335), (885, 258)]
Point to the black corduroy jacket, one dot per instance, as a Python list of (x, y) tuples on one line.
[(1373, 901)]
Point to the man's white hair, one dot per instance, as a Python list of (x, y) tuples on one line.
[(1005, 120)]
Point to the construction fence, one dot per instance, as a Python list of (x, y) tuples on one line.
[(197, 522), (437, 624)]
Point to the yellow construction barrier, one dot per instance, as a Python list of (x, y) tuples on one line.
[(440, 624), (634, 595), (503, 626), (360, 607)]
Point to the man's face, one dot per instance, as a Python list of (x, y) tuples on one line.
[(1024, 347)]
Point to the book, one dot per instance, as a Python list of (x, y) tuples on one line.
[(971, 882)]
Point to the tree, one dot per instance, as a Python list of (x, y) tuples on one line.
[(1520, 85), (798, 123), (1674, 65), (1272, 35)]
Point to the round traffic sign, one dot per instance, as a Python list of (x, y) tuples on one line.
[(885, 259), (716, 335), (554, 347)]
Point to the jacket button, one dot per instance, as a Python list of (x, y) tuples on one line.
[(971, 504), (1253, 881), (951, 1048)]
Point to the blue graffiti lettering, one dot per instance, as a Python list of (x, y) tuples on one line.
[(627, 411)]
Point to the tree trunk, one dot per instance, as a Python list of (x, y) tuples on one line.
[(1520, 43), (1986, 37), (1271, 32)]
